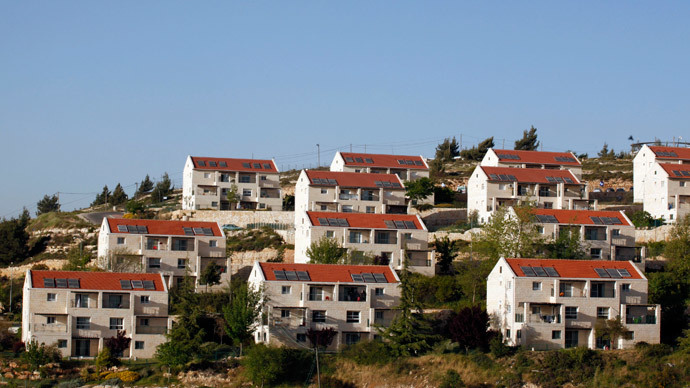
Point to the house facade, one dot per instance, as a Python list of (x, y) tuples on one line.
[(667, 192), (491, 187), (349, 192), (207, 182), (408, 168), (389, 236), (552, 304), (78, 311), (353, 300), (171, 248), (644, 166), (533, 159)]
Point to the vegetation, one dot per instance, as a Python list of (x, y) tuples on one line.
[(508, 235), (210, 276), (37, 355), (162, 189), (119, 196), (243, 314), (529, 140), (78, 259), (326, 251), (567, 245), (446, 252), (48, 204), (102, 198), (14, 239), (144, 187), (289, 203), (447, 150), (253, 240), (419, 189), (233, 196), (477, 153)]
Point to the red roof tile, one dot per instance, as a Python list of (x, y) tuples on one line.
[(364, 220), (382, 160), (354, 179), (680, 168), (528, 175), (582, 269), (328, 272), (162, 227), (581, 217), (234, 164), (538, 157), (96, 280), (682, 153)]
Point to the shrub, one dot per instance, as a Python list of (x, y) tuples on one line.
[(74, 383), (128, 376), (368, 353), (451, 380), (334, 382), (37, 355)]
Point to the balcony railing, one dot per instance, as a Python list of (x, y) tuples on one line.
[(348, 196), (641, 319), (50, 328), (151, 329)]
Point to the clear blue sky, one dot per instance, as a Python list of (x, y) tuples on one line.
[(95, 93)]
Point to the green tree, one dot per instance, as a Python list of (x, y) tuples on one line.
[(447, 150), (605, 153), (567, 245), (233, 196), (469, 328), (610, 329), (118, 344), (478, 152), (529, 140), (78, 259), (326, 251), (145, 186), (264, 364), (37, 355), (508, 235), (119, 196), (104, 359), (641, 219), (103, 197), (243, 314), (289, 203), (419, 189), (48, 204), (445, 252), (14, 239), (210, 276), (162, 188)]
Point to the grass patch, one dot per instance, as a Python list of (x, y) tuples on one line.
[(58, 220)]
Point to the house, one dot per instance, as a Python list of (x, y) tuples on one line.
[(408, 168), (491, 187), (349, 192), (354, 300), (78, 311), (644, 166), (551, 304), (207, 182), (667, 191), (171, 248), (388, 236), (608, 235), (533, 159)]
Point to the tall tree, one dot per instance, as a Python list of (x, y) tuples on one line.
[(210, 276), (610, 329), (567, 245), (48, 204), (14, 240), (243, 314), (419, 189), (605, 153), (447, 150), (446, 252), (326, 251), (118, 344), (119, 196), (233, 196), (478, 152), (162, 188), (469, 328), (508, 235), (103, 197), (145, 186), (529, 140)]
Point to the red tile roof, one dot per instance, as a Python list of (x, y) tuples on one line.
[(162, 227), (582, 269), (364, 220), (681, 152), (388, 161), (528, 175), (355, 179), (328, 272), (680, 168), (538, 157), (581, 217), (96, 280), (234, 164)]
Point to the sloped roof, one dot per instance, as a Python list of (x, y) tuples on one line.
[(676, 171), (578, 269), (229, 164), (163, 227), (96, 280), (527, 175), (581, 217), (364, 220), (538, 157), (354, 179), (681, 153), (382, 160), (328, 272)]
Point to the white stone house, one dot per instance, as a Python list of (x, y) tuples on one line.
[(78, 311), (408, 168), (644, 165), (667, 192), (354, 300), (171, 248), (551, 304), (533, 159), (206, 182)]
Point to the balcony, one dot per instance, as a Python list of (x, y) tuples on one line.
[(116, 301), (575, 324), (348, 197), (151, 329), (50, 328), (86, 333), (352, 294), (547, 319), (640, 320)]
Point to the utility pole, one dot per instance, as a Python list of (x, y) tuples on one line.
[(11, 281), (318, 151)]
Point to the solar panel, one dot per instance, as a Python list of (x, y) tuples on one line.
[(409, 162), (142, 229), (410, 225), (349, 160), (606, 220), (132, 228), (122, 228), (198, 230), (208, 231), (303, 275), (357, 277), (386, 184), (677, 173), (564, 159), (343, 222), (624, 273), (125, 284), (551, 272), (399, 224), (602, 273), (332, 182), (48, 282), (418, 163), (597, 220), (615, 221), (280, 275), (369, 278), (493, 177), (246, 165), (508, 156), (396, 184), (223, 164), (539, 271), (212, 164), (368, 160), (528, 271), (503, 177), (389, 224), (201, 163), (267, 166), (333, 221), (672, 153), (73, 283), (149, 285), (291, 275), (378, 183), (380, 278), (257, 165), (559, 179), (137, 284), (512, 178), (188, 231), (359, 160), (551, 179), (568, 180), (322, 221), (543, 218), (61, 283), (686, 173), (613, 272)]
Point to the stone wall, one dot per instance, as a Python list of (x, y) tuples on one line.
[(657, 234), (238, 217), (439, 217), (242, 262)]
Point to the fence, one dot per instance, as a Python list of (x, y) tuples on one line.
[(271, 225)]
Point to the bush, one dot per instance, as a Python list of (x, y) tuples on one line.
[(75, 383), (451, 380), (266, 364), (128, 376), (254, 240), (368, 353), (37, 355), (334, 382)]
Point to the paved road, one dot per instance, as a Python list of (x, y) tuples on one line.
[(97, 217)]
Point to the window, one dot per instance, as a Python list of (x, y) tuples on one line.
[(138, 345), (213, 243), (548, 205), (378, 291), (207, 175), (603, 312), (355, 237), (508, 308), (50, 320), (371, 209), (595, 253), (543, 191), (615, 232), (214, 203), (570, 312), (154, 262), (51, 297), (301, 337), (144, 322), (120, 240), (61, 344), (536, 286), (352, 338), (565, 290), (262, 177), (682, 183), (324, 191), (536, 310), (315, 293), (625, 287), (347, 208), (181, 263), (246, 192), (81, 300), (518, 334), (378, 315), (330, 234), (407, 236), (353, 316), (83, 323), (540, 229), (324, 208), (245, 179), (519, 318), (179, 245), (116, 323), (286, 290), (144, 299), (318, 316), (382, 238), (285, 313), (507, 333), (555, 334)]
